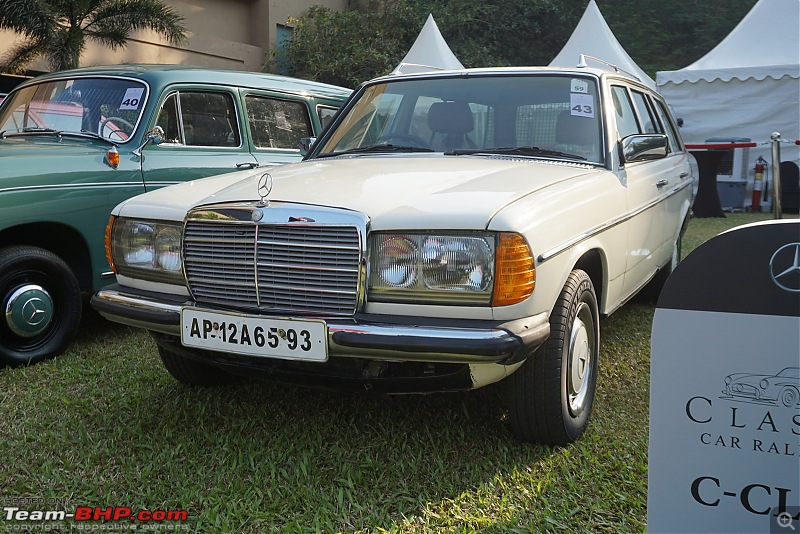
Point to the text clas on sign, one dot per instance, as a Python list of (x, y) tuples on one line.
[(725, 387)]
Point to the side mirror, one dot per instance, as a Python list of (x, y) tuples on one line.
[(154, 135), (305, 144), (644, 147)]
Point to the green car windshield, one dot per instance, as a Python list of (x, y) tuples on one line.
[(547, 115), (91, 106)]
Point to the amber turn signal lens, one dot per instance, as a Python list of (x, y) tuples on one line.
[(109, 234), (112, 155), (515, 273)]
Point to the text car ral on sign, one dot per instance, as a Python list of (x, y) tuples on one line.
[(725, 389)]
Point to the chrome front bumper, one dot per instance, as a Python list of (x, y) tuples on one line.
[(373, 337)]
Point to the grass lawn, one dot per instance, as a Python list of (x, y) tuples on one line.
[(105, 425)]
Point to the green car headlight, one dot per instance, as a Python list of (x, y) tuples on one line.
[(148, 249), (432, 268)]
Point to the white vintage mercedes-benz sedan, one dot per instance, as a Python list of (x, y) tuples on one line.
[(448, 231)]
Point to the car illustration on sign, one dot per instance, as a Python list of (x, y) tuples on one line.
[(448, 231), (782, 389), (73, 144)]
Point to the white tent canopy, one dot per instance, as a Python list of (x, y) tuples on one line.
[(429, 52), (593, 37), (747, 87), (766, 43)]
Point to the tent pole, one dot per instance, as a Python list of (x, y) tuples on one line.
[(776, 175)]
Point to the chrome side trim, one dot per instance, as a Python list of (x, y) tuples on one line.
[(555, 251), (70, 186)]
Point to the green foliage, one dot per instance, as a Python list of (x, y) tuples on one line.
[(668, 38), (371, 38), (57, 29), (333, 46)]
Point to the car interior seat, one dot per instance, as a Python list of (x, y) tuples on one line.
[(576, 134), (451, 122)]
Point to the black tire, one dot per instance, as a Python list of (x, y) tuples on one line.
[(193, 372), (36, 280), (550, 396)]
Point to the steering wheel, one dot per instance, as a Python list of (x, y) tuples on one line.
[(405, 139), (118, 132)]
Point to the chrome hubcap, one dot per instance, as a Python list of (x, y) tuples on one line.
[(29, 310), (581, 351)]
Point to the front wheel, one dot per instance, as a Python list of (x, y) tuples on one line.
[(41, 305), (550, 396)]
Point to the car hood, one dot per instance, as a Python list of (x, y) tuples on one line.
[(43, 157), (412, 192), (747, 377), (43, 145)]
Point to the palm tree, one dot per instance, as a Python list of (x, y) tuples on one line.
[(57, 29)]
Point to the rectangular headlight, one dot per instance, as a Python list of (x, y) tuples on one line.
[(148, 249), (432, 268)]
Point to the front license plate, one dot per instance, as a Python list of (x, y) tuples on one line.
[(289, 339)]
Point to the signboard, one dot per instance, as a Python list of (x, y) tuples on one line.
[(725, 387)]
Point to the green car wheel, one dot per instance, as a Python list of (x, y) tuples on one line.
[(41, 305)]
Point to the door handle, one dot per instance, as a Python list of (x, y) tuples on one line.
[(683, 175), (662, 183), (247, 165)]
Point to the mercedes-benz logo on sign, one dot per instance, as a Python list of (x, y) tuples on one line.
[(264, 187), (34, 311), (784, 267)]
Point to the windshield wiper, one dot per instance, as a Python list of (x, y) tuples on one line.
[(384, 147), (514, 151), (29, 130), (93, 135)]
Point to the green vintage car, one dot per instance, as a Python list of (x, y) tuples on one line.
[(74, 144)]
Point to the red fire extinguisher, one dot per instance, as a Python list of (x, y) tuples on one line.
[(758, 183)]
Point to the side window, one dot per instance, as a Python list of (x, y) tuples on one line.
[(669, 129), (199, 119), (326, 115), (649, 123), (209, 119), (626, 119), (168, 120), (277, 123)]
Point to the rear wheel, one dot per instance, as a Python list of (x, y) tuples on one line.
[(193, 372), (41, 305), (550, 397)]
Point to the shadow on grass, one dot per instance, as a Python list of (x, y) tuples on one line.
[(105, 421), (349, 458)]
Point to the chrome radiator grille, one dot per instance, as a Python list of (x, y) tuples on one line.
[(300, 268)]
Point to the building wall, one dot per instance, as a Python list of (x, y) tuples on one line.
[(233, 34)]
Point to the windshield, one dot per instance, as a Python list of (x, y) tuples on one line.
[(108, 107), (542, 115)]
